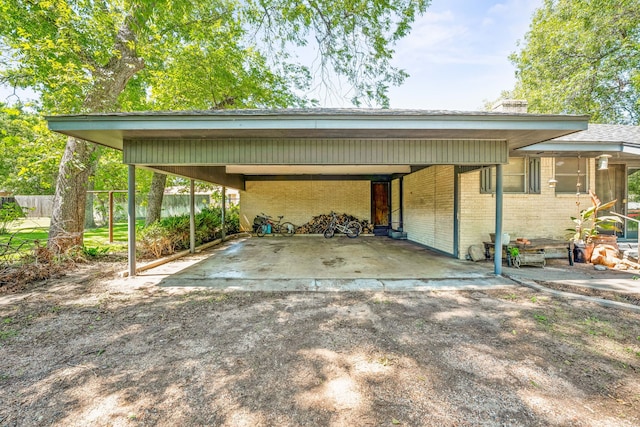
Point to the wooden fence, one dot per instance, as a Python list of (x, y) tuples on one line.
[(36, 206)]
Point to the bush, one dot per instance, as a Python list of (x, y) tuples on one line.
[(9, 212), (171, 234), (154, 241)]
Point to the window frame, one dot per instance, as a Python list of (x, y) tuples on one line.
[(560, 176), (531, 180)]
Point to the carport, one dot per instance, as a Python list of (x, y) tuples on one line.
[(229, 148)]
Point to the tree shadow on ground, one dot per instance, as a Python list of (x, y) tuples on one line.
[(149, 357)]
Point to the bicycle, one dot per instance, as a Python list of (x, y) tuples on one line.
[(351, 229), (270, 226)]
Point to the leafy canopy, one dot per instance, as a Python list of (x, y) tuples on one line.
[(30, 153), (583, 57), (203, 54)]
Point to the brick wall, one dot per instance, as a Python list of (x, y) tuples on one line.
[(545, 215), (428, 207), (395, 204), (299, 201)]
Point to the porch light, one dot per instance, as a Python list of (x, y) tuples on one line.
[(552, 183), (603, 162)]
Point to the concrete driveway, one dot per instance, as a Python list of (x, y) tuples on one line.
[(313, 263)]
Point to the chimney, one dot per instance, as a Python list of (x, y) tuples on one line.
[(510, 106)]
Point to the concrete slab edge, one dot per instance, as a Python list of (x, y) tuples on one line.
[(173, 257), (603, 302), (341, 285)]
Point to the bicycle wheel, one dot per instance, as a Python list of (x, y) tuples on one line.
[(353, 230), (328, 233), (261, 230), (287, 229)]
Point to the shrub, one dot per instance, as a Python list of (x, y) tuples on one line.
[(154, 241), (9, 212), (171, 234)]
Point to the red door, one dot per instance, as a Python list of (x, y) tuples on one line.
[(380, 204)]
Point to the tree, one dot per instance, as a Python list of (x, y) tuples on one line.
[(30, 152), (154, 201), (97, 56), (582, 57)]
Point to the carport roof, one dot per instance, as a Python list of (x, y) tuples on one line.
[(520, 129)]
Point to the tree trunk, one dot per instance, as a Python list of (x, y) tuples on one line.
[(78, 160), (67, 218), (156, 193)]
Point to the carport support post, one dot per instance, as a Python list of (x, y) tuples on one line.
[(192, 217), (223, 209), (131, 211), (497, 257)]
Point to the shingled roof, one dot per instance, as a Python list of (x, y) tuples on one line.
[(605, 133), (621, 141)]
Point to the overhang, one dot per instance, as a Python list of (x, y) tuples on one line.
[(621, 142), (313, 141), (520, 130)]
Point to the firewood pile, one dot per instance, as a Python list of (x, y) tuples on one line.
[(319, 223)]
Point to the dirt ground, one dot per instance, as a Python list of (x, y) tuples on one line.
[(85, 349)]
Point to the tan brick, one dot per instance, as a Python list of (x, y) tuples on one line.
[(428, 207), (545, 215), (299, 201)]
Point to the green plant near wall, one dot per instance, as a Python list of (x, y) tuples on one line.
[(588, 225)]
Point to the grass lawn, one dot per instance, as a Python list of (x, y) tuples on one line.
[(28, 232)]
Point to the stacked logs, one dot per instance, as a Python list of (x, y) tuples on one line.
[(319, 223)]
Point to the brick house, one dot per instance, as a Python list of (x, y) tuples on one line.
[(446, 179)]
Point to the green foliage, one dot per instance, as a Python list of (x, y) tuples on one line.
[(582, 57), (155, 241), (82, 56), (9, 212), (634, 186), (589, 224), (94, 251), (112, 174), (30, 152), (6, 334), (172, 234), (542, 319), (202, 54)]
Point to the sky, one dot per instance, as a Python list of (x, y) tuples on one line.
[(457, 55)]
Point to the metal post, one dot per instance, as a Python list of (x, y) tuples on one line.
[(192, 218), (223, 210), (497, 258), (401, 203), (110, 216), (131, 202)]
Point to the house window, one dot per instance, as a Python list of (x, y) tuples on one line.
[(521, 175), (568, 172)]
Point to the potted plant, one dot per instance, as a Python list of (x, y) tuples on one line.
[(589, 225)]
